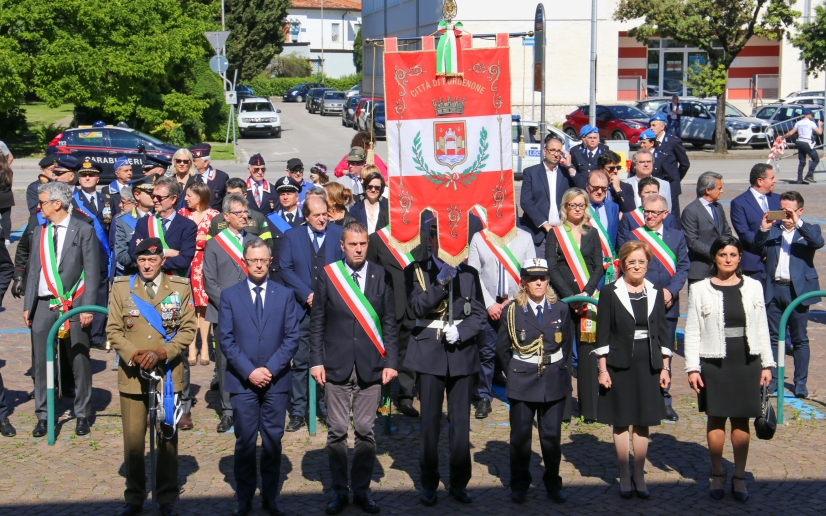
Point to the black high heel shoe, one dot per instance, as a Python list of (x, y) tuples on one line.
[(718, 494), (740, 497), (640, 494), (627, 494)]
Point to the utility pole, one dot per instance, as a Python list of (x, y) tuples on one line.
[(592, 110), (322, 39)]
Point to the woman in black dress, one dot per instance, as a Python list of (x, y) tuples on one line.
[(727, 361), (568, 246), (632, 333), (6, 200)]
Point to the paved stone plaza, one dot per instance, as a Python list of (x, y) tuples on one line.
[(786, 475)]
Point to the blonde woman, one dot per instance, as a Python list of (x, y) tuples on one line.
[(183, 167)]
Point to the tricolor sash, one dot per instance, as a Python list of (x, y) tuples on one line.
[(63, 300), (361, 308), (572, 255), (665, 255), (155, 229), (505, 257), (610, 262), (103, 238), (230, 244), (404, 259), (279, 222), (638, 216)]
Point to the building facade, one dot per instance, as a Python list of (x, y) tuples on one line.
[(323, 31)]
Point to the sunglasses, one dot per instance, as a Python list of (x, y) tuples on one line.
[(182, 161), (85, 174), (613, 168), (297, 171), (58, 173), (598, 188), (372, 188), (356, 163), (259, 169), (160, 198)]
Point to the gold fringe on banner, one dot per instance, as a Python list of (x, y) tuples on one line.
[(453, 261), (405, 247), (501, 241)]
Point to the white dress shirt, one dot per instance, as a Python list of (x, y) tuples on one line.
[(263, 286), (294, 213), (553, 213), (761, 199), (782, 272), (61, 228), (361, 274), (709, 208)]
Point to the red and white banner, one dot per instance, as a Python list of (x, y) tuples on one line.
[(449, 143)]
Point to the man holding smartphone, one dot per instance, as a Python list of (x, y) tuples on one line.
[(805, 129)]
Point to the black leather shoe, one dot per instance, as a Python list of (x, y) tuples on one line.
[(518, 496), (130, 510), (408, 409), (557, 495), (482, 409), (428, 497), (717, 494), (460, 495), (82, 426), (272, 508), (6, 428), (39, 429), (213, 385), (242, 508), (225, 425), (337, 504), (295, 424), (367, 504), (168, 509), (640, 494), (670, 414)]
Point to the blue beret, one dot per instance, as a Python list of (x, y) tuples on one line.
[(586, 130), (67, 162), (648, 134), (807, 111), (122, 162), (657, 116)]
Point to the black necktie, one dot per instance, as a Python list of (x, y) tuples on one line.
[(590, 154), (290, 218), (714, 214), (94, 205), (54, 239), (539, 314), (259, 304), (355, 276)]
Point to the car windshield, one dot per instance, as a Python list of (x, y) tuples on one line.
[(148, 138), (250, 107), (766, 113), (335, 95), (626, 112), (730, 110)]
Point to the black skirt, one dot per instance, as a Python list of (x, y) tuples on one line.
[(587, 382), (634, 398), (732, 384)]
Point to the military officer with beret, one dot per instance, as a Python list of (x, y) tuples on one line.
[(215, 179), (585, 156), (261, 195), (445, 356), (533, 346), (151, 322)]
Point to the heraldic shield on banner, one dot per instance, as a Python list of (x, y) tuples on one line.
[(449, 140)]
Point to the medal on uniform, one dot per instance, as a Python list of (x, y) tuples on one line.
[(466, 310), (134, 313), (272, 204), (129, 322), (522, 336), (558, 337)]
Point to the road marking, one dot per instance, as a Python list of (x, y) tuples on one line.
[(293, 151), (244, 152)]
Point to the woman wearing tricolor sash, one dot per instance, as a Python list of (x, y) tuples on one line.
[(574, 256)]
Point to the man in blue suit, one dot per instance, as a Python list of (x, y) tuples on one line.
[(670, 162), (634, 219), (746, 214), (790, 271), (606, 211), (304, 253), (542, 188), (258, 333), (668, 268)]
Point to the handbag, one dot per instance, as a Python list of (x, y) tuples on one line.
[(766, 424)]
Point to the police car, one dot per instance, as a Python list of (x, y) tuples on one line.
[(104, 144), (528, 132)]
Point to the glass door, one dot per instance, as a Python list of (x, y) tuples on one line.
[(673, 71)]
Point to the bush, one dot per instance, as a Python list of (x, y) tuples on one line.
[(13, 124), (292, 65)]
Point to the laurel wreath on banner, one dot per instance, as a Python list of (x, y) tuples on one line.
[(448, 179)]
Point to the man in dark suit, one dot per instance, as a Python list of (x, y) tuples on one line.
[(585, 156), (46, 165), (702, 222), (607, 212), (668, 268), (790, 271), (261, 195), (619, 192), (542, 188), (306, 250), (258, 333), (670, 161), (445, 355), (636, 218), (287, 215), (72, 246), (215, 179), (747, 211), (353, 304)]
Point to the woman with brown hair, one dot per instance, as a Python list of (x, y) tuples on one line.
[(197, 198), (372, 211), (632, 333), (361, 139), (183, 165), (6, 200), (338, 198), (318, 174)]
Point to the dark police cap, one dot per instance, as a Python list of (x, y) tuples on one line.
[(294, 163), (65, 163), (200, 150), (149, 246), (288, 184), (257, 160), (151, 162), (46, 162), (87, 167), (146, 183), (807, 111)]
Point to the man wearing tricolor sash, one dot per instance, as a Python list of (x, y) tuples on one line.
[(353, 352), (498, 268), (224, 267), (605, 219), (668, 269), (65, 257)]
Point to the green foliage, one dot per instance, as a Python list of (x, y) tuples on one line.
[(358, 51), (810, 39), (292, 65), (707, 81), (256, 34), (277, 86)]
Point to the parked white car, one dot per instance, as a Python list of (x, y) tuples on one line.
[(256, 115)]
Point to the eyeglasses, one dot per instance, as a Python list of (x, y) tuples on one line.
[(259, 169), (577, 207), (40, 203), (373, 188), (240, 213), (613, 168), (160, 198), (653, 212), (598, 188), (257, 261), (553, 151), (636, 263), (182, 161)]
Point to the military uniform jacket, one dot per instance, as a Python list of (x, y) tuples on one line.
[(428, 351), (269, 198), (556, 330), (128, 330)]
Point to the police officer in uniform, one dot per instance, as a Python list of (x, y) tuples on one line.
[(533, 346), (149, 341), (288, 215), (445, 356), (670, 162)]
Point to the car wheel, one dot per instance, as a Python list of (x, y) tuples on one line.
[(729, 141), (277, 133), (571, 133), (299, 98), (343, 123), (618, 135), (698, 145)]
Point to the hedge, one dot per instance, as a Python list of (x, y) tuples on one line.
[(276, 87)]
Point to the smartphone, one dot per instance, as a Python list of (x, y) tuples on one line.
[(775, 215)]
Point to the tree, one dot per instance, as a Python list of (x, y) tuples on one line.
[(811, 41), (292, 65), (256, 34), (721, 28), (358, 51)]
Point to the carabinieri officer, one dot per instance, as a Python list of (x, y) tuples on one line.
[(533, 346)]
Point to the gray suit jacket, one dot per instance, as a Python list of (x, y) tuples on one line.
[(81, 252), (481, 258), (700, 232), (220, 272)]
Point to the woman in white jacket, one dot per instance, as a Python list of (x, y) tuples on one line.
[(728, 357)]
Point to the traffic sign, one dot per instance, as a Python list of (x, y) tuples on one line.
[(217, 39), (528, 42), (218, 64), (231, 97)]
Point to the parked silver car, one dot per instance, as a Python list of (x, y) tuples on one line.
[(332, 102), (697, 125)]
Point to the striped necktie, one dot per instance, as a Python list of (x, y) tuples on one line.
[(257, 193)]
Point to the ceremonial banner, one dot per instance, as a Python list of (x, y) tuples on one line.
[(449, 139)]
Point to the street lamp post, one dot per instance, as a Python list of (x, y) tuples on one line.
[(322, 39)]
